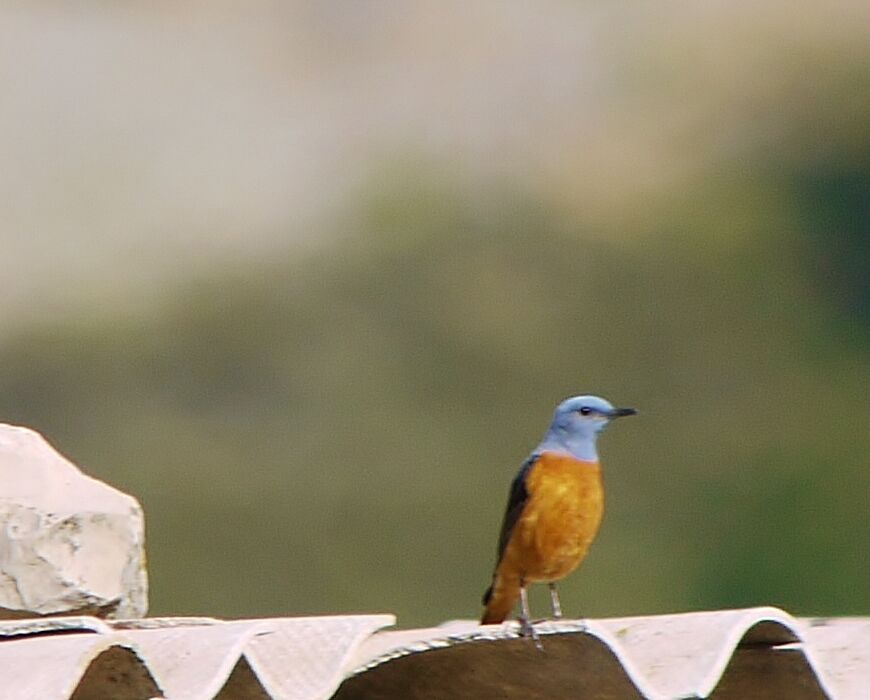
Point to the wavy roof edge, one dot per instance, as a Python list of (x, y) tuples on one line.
[(312, 658)]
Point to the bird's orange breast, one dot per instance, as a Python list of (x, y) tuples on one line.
[(559, 520)]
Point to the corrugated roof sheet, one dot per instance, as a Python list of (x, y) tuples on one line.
[(757, 652)]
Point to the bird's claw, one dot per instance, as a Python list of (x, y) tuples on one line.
[(527, 629)]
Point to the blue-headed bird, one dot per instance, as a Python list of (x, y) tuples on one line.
[(554, 509)]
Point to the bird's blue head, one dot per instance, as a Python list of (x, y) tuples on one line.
[(577, 423)]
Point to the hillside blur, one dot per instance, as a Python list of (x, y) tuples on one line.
[(309, 282)]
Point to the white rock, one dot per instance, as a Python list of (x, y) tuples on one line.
[(68, 543)]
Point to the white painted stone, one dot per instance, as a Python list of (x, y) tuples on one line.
[(68, 543)]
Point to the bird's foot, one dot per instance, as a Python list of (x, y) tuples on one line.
[(527, 629)]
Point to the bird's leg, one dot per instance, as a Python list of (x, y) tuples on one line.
[(527, 629), (554, 600), (525, 613)]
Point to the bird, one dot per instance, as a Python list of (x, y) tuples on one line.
[(554, 509)]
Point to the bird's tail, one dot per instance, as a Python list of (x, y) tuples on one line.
[(500, 599)]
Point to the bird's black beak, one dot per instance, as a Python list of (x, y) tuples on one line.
[(620, 412)]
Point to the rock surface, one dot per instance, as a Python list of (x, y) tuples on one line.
[(69, 544)]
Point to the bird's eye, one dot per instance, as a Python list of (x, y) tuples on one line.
[(585, 411)]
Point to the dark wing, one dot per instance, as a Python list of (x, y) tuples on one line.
[(516, 502)]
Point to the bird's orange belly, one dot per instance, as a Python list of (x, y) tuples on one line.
[(560, 521)]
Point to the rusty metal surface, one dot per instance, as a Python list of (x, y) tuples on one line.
[(752, 653)]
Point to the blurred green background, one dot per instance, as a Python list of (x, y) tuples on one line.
[(308, 279)]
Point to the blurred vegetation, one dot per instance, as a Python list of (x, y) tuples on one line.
[(337, 433)]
